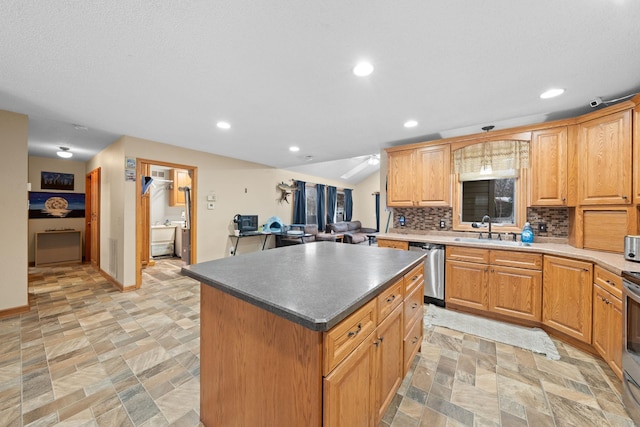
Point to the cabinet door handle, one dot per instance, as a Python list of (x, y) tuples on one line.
[(376, 343), (391, 298), (624, 197), (356, 332), (415, 340), (414, 306), (380, 339), (564, 200)]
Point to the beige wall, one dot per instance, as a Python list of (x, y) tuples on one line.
[(364, 208), (39, 164), (239, 187), (13, 251)]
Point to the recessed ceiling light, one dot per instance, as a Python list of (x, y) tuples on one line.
[(551, 93), (294, 148), (64, 153), (363, 69), (223, 125), (410, 124)]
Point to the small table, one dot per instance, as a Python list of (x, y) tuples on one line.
[(240, 236), (280, 236), (372, 238)]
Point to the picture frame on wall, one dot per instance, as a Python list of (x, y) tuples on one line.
[(56, 181), (56, 205)]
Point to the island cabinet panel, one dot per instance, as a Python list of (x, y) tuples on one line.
[(389, 299), (394, 244), (266, 360), (607, 328), (390, 360), (349, 391), (414, 279), (604, 160), (400, 178), (412, 342), (516, 292), (549, 171), (567, 296)]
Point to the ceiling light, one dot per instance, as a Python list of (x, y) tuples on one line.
[(64, 153), (223, 125), (373, 160), (410, 124), (363, 69), (294, 148), (551, 93)]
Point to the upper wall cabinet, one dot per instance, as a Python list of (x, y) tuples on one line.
[(604, 160), (549, 169), (420, 177), (433, 171), (636, 155), (180, 178)]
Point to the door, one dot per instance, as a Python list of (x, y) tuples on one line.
[(466, 284), (549, 167), (92, 218), (433, 187)]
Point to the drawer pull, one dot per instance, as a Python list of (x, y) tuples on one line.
[(414, 278), (356, 332), (391, 298), (376, 343), (414, 306), (415, 340)]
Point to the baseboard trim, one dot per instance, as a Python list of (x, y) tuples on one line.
[(10, 312), (114, 282)]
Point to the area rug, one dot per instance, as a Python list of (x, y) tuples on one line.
[(533, 339)]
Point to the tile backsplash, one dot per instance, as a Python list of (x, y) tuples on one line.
[(424, 220)]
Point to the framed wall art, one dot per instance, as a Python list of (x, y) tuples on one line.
[(56, 181), (56, 205)]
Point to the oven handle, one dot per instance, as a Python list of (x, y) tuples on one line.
[(633, 290)]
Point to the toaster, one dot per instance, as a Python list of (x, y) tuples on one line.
[(632, 248)]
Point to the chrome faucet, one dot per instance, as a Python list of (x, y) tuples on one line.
[(488, 219)]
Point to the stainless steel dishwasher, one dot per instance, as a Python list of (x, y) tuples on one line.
[(433, 271)]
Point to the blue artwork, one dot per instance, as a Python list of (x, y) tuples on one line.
[(56, 205), (56, 181)]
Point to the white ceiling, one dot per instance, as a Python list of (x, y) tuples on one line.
[(280, 71)]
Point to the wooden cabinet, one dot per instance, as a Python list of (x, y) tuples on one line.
[(180, 178), (503, 282), (433, 176), (607, 317), (604, 160), (567, 296), (636, 155), (369, 367), (57, 247), (549, 169), (419, 177), (395, 244), (400, 178)]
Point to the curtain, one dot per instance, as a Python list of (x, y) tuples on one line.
[(493, 159), (299, 203), (377, 211), (348, 204), (320, 206), (332, 200)]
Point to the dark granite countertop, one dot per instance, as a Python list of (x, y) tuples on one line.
[(315, 285)]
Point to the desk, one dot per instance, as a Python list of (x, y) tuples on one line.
[(58, 246), (240, 236)]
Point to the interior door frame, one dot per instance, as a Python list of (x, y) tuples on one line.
[(143, 168), (92, 185)]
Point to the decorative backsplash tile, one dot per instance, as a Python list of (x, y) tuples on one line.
[(423, 220)]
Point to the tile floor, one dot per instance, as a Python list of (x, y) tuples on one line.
[(89, 355)]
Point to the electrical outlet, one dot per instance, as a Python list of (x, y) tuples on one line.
[(211, 206), (443, 224), (542, 227)]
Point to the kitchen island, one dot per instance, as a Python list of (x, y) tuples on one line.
[(276, 324)]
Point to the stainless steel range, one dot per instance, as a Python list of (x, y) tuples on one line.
[(631, 344)]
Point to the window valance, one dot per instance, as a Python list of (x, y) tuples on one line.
[(491, 159)]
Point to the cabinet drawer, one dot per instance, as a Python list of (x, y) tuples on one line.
[(462, 253), (414, 279), (388, 300), (608, 281), (395, 244), (413, 306), (516, 259), (343, 338), (412, 343)]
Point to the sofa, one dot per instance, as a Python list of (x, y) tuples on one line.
[(353, 231)]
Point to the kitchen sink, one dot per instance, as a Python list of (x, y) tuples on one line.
[(490, 241)]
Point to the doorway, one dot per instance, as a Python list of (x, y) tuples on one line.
[(180, 174), (92, 219)]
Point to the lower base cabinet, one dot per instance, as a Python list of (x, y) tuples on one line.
[(359, 390), (607, 328)]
